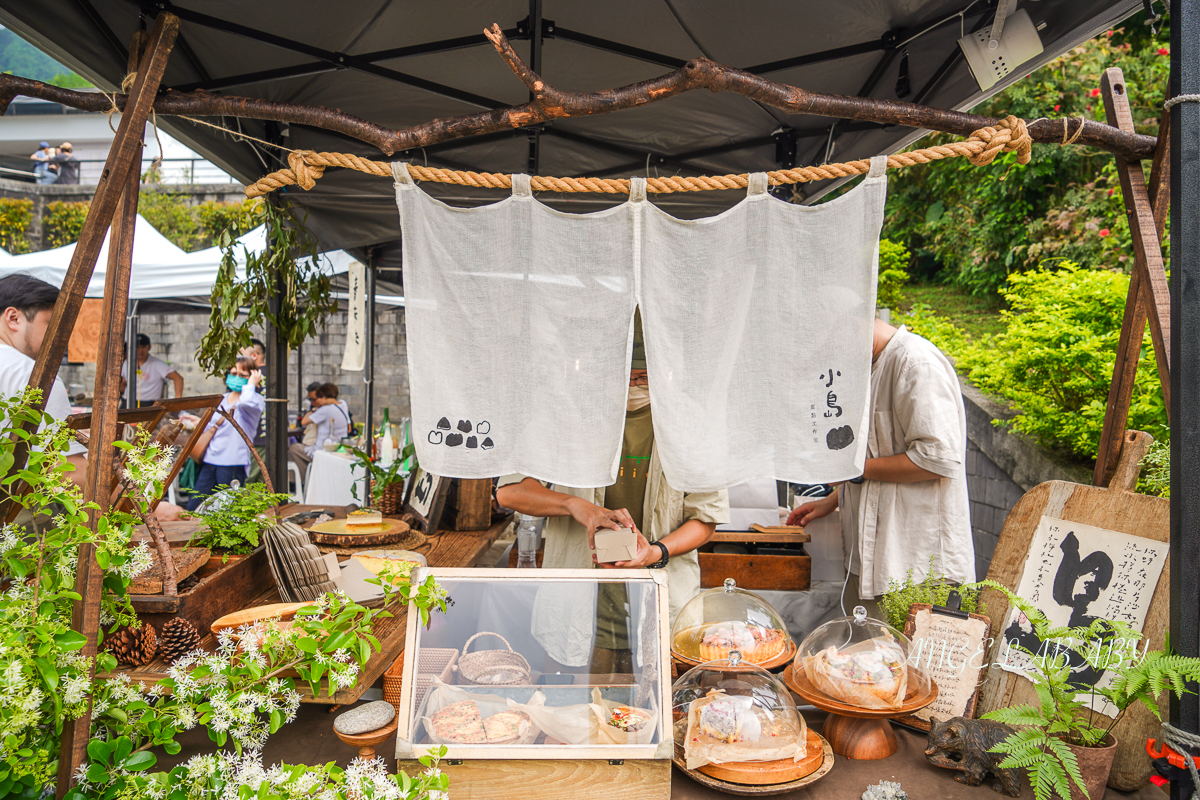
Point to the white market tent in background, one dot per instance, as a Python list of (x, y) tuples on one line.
[(162, 271)]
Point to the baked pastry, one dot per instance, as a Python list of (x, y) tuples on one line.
[(756, 644), (722, 718), (873, 677), (629, 719), (364, 520), (506, 727), (459, 723)]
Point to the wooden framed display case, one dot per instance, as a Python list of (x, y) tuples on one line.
[(557, 654)]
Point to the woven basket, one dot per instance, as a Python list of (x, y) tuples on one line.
[(392, 499), (492, 667), (435, 662)]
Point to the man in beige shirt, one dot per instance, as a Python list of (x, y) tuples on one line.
[(911, 501)]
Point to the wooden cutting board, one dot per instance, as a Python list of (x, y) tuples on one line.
[(334, 532), (283, 611), (187, 561)]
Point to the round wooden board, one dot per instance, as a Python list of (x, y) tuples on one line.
[(799, 683), (282, 611), (410, 541), (778, 661), (334, 533), (763, 790)]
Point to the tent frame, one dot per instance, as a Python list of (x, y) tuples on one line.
[(1148, 296)]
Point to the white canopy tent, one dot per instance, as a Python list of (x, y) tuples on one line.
[(162, 271)]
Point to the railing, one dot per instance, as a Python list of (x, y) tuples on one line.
[(187, 171)]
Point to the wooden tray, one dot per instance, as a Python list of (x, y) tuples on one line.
[(736, 774), (788, 653), (334, 533), (187, 561), (799, 683), (282, 611)]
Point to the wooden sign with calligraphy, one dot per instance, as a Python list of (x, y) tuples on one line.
[(1078, 509), (424, 500), (954, 652)]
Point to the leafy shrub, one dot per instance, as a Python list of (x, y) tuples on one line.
[(1156, 478), (971, 226), (15, 216), (934, 589), (171, 216), (893, 273), (1055, 358), (238, 218), (62, 223)]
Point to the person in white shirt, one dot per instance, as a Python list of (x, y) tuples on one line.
[(27, 304), (153, 373), (332, 420)]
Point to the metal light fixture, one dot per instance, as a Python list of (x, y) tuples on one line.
[(991, 57)]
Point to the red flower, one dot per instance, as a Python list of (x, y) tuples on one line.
[(1104, 232), (1056, 108), (1162, 51), (1095, 93), (1109, 33), (1110, 191)]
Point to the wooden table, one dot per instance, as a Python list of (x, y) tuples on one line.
[(447, 549)]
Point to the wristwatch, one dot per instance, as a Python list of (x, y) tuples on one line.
[(666, 556)]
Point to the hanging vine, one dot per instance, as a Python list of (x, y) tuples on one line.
[(242, 303)]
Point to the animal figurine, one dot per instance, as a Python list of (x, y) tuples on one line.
[(963, 744)]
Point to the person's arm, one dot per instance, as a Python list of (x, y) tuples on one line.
[(689, 536), (176, 379), (205, 440), (896, 469), (531, 497), (79, 476)]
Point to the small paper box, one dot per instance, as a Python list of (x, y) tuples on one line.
[(618, 545)]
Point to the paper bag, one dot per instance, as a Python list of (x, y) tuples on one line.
[(760, 737), (441, 695), (609, 734), (574, 724)]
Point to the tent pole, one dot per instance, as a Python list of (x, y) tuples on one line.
[(369, 439), (277, 390), (1185, 355)]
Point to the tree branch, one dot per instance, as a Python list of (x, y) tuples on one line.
[(550, 104)]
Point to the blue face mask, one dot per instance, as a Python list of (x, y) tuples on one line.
[(236, 382)]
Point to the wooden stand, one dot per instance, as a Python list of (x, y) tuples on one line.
[(366, 742), (747, 778), (864, 734)]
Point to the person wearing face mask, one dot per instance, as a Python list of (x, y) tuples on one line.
[(670, 524), (220, 451)]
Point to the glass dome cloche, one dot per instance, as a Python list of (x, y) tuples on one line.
[(718, 621), (731, 711), (863, 662)]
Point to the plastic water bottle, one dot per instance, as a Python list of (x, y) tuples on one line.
[(527, 541)]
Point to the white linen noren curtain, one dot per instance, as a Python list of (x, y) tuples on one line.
[(757, 327)]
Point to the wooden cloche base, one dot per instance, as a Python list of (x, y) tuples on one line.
[(823, 756)]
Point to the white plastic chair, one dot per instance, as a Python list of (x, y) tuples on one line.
[(296, 474)]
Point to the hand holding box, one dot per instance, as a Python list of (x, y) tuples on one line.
[(618, 545)]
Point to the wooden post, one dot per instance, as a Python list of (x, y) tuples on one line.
[(119, 182), (1148, 297)]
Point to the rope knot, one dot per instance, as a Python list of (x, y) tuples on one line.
[(1007, 136), (306, 173)]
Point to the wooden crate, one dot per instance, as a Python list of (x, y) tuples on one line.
[(792, 573), (573, 779), (468, 505), (223, 589)]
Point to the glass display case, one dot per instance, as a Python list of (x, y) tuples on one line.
[(862, 662), (547, 664), (726, 618), (731, 711)]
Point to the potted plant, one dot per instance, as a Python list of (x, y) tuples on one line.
[(1067, 755), (387, 483), (234, 519), (934, 589)]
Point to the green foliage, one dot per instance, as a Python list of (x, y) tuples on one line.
[(62, 223), (893, 273), (281, 272), (383, 477), (971, 226), (171, 216), (1156, 479), (934, 589), (235, 518), (1062, 714), (19, 57), (238, 218), (15, 216)]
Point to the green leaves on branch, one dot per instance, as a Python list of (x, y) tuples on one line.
[(934, 589), (234, 519), (282, 286)]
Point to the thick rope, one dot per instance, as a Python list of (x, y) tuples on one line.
[(1181, 742), (981, 149)]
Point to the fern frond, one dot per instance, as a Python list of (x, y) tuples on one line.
[(1069, 764), (1017, 715), (1046, 775)]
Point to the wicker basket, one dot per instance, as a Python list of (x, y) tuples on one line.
[(392, 499), (435, 662), (493, 667)]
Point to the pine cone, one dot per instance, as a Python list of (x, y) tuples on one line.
[(133, 646), (179, 637)]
